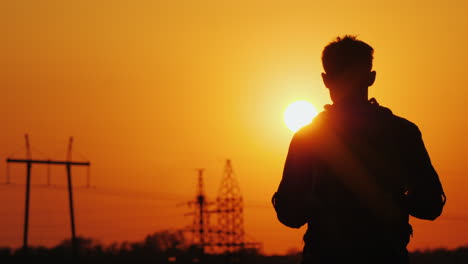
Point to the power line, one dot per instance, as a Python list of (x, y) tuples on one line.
[(130, 194)]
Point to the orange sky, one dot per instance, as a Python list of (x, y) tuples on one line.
[(152, 90)]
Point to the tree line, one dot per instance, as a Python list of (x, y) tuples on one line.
[(172, 247)]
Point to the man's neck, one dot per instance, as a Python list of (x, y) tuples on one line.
[(352, 102)]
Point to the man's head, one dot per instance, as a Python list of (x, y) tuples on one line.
[(348, 69)]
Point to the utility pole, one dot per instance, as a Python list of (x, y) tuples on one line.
[(69, 158), (201, 229), (28, 187), (201, 208), (68, 165), (29, 161)]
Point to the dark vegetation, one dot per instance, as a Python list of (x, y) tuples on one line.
[(172, 248)]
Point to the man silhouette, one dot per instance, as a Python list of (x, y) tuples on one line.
[(357, 172)]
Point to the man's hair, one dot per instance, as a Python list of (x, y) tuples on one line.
[(345, 53)]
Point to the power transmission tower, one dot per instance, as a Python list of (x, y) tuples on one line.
[(230, 212), (231, 235), (230, 216)]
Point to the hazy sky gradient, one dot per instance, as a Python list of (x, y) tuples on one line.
[(152, 90)]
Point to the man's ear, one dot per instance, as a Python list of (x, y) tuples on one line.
[(326, 79), (371, 79)]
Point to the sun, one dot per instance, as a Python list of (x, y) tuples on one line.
[(299, 114)]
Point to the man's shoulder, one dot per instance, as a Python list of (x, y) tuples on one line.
[(402, 123), (328, 119), (314, 126), (386, 116)]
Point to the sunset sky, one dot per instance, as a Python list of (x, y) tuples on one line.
[(152, 90)]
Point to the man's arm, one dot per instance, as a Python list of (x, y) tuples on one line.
[(425, 197), (292, 199)]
